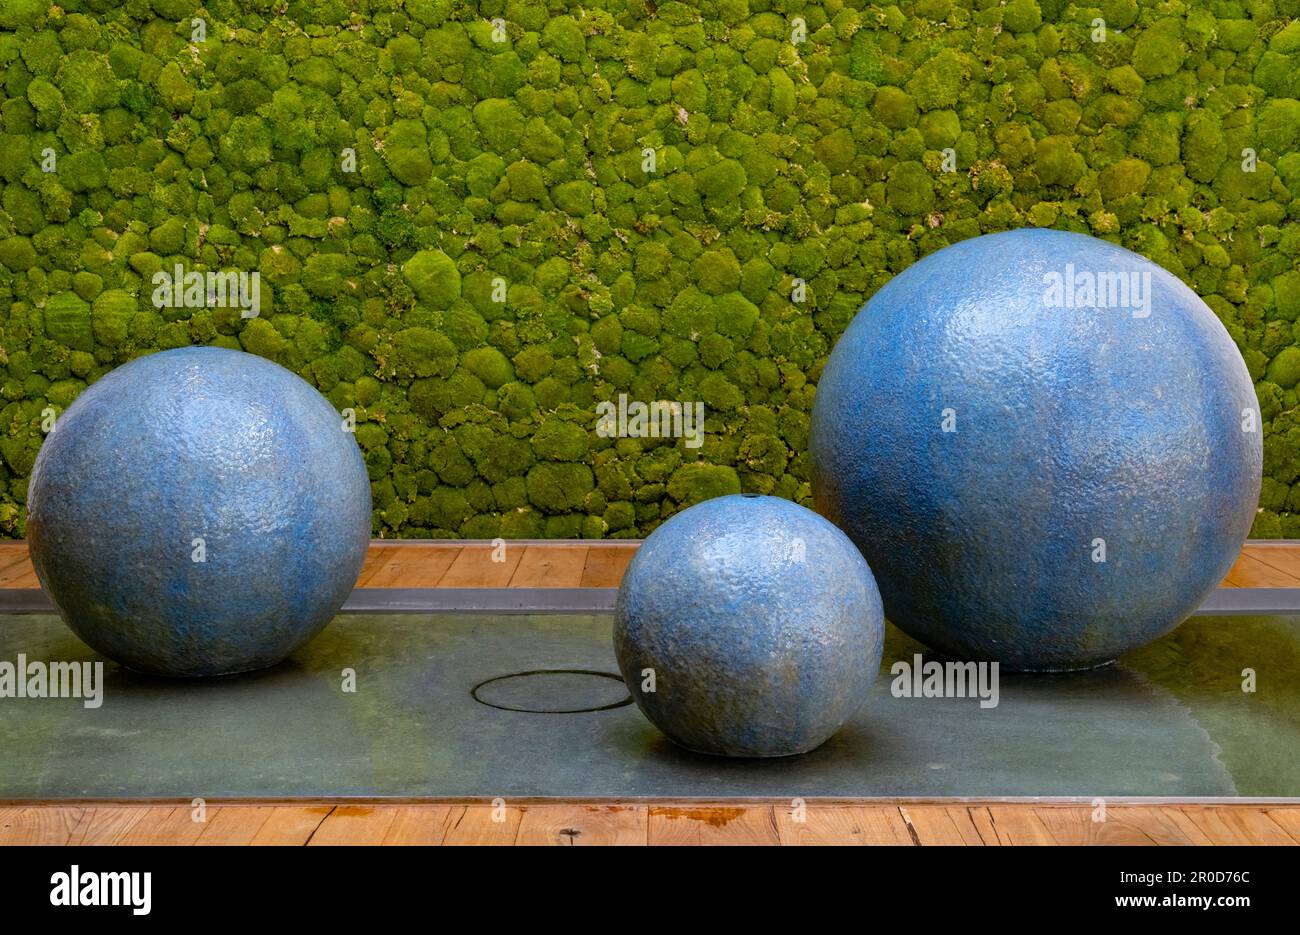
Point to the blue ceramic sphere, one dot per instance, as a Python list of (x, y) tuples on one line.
[(760, 621), (1038, 475), (199, 511)]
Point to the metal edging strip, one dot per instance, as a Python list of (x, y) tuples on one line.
[(408, 601), (1227, 602), (480, 600), (1224, 602)]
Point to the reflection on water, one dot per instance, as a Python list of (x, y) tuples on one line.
[(1206, 662)]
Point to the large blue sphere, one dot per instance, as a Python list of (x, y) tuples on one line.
[(1038, 475), (198, 512), (759, 623)]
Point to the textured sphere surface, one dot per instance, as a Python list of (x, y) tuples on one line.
[(202, 444), (762, 624), (1078, 431)]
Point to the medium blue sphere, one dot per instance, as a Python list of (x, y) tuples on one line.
[(759, 623), (1038, 475), (199, 511)]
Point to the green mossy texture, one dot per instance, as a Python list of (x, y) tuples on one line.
[(489, 168)]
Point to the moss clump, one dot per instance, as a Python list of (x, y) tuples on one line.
[(559, 440), (894, 108), (717, 271), (17, 254), (735, 315), (1057, 163), (1022, 16), (406, 152), (910, 189), (940, 128), (721, 182), (563, 37), (1159, 49), (16, 14), (422, 352), (692, 483), (1284, 369), (1125, 177), (1286, 295), (174, 89), (1204, 147), (490, 366), (938, 82), (67, 321), (498, 121), (433, 277), (1278, 125), (837, 150), (111, 314), (559, 486), (83, 171)]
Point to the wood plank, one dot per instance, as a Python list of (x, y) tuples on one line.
[(291, 825), (377, 554), (605, 566), (1282, 558), (713, 825), (873, 825), (1015, 825), (234, 825), (1286, 817), (983, 822), (1231, 579), (550, 567), (107, 825), (411, 567), (21, 575), (474, 568), (1236, 825), (572, 825), (1250, 572), (353, 824), (1177, 815), (39, 824), (11, 559), (1124, 825), (1156, 825), (484, 825), (166, 825), (942, 825), (423, 825)]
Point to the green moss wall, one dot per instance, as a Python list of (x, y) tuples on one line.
[(521, 160)]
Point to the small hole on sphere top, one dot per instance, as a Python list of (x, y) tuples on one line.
[(751, 496)]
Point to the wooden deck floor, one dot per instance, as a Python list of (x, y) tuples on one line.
[(568, 564), (600, 564), (574, 824)]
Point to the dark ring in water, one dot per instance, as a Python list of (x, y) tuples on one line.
[(514, 675)]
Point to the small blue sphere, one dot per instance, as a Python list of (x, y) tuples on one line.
[(755, 623), (199, 511), (1047, 447)]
